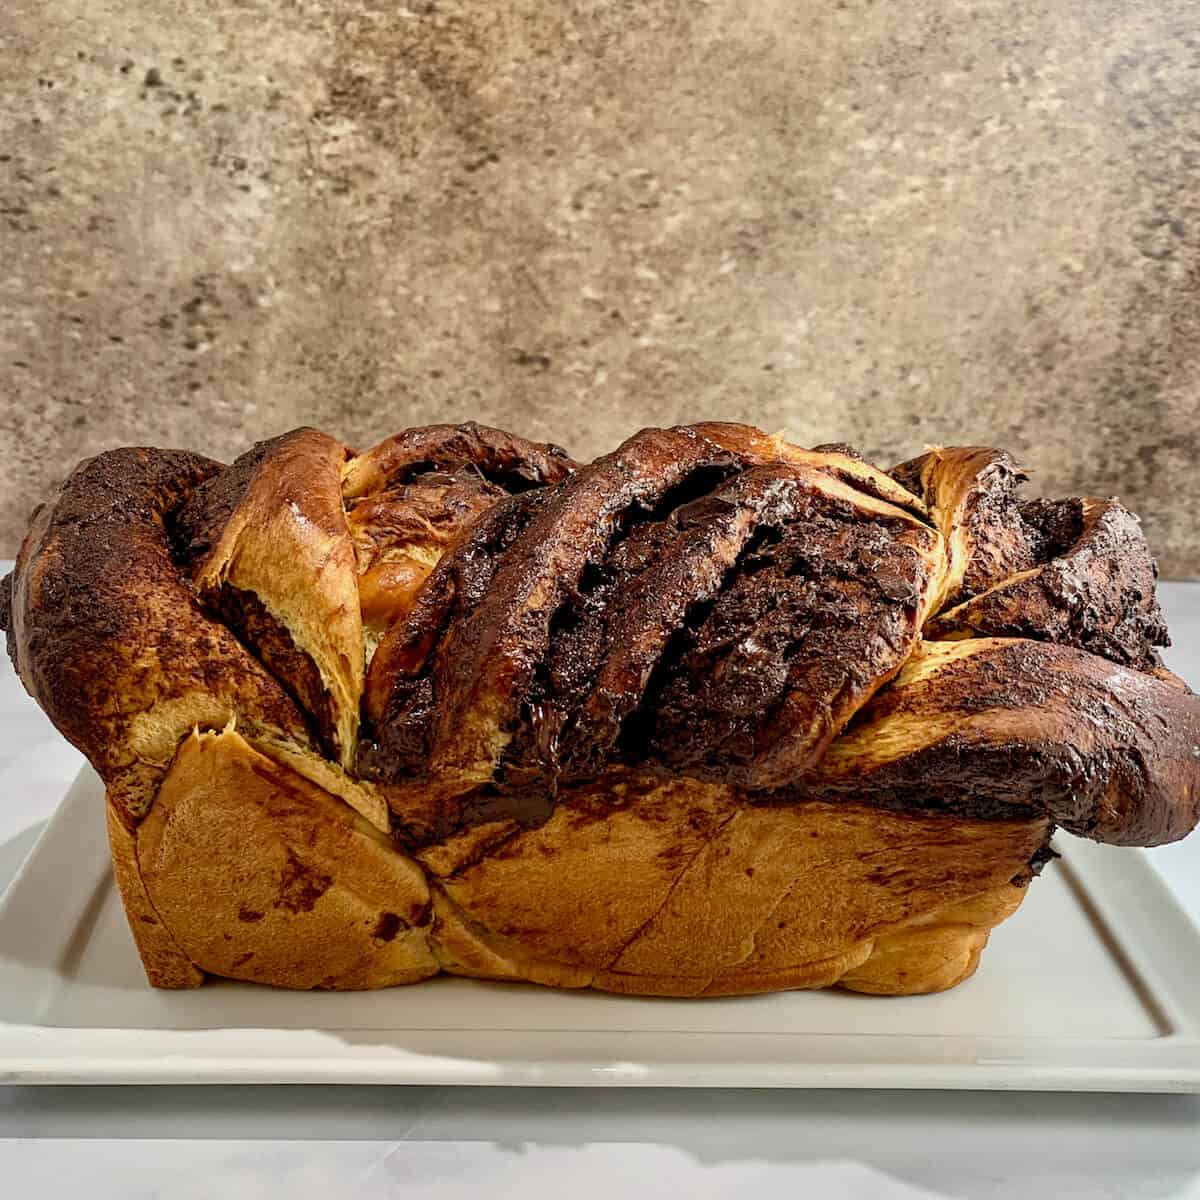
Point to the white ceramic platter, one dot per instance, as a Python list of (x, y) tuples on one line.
[(1093, 985)]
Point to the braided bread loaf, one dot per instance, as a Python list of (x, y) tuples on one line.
[(713, 714)]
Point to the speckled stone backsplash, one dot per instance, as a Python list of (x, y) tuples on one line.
[(885, 223)]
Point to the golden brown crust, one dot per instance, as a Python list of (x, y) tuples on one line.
[(297, 890), (401, 533), (300, 893), (679, 888), (270, 548), (167, 966), (674, 723), (935, 952)]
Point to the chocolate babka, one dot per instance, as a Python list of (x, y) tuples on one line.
[(712, 714)]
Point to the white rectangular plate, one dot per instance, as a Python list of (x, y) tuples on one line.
[(1093, 985)]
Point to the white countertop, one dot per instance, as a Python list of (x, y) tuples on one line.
[(437, 1142)]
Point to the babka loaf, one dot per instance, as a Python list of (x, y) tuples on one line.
[(712, 714)]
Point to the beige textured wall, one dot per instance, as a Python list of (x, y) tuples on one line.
[(888, 223)]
